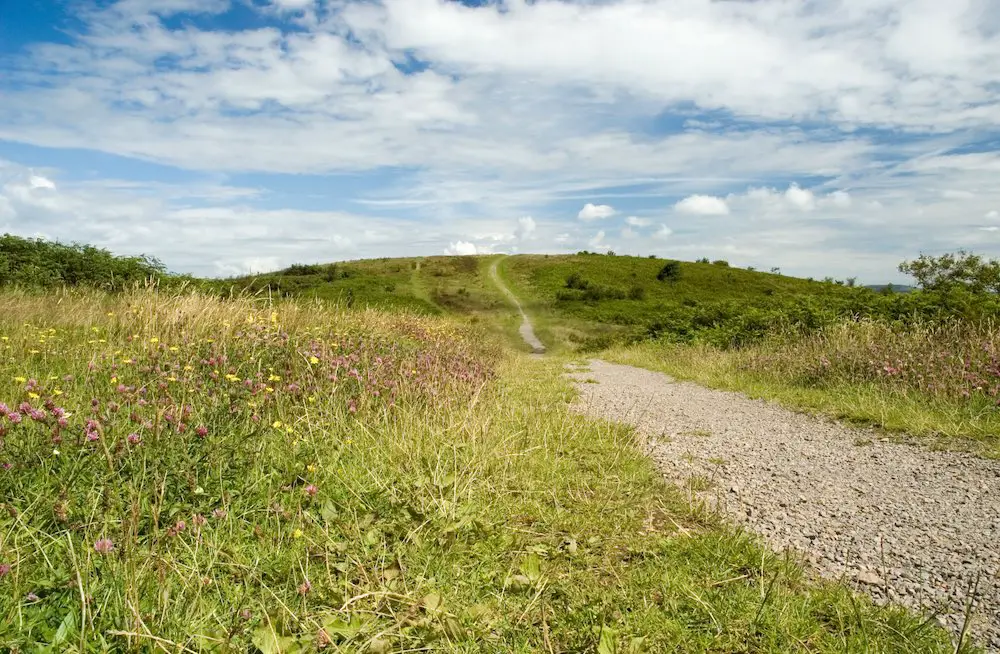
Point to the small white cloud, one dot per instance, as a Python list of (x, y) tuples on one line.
[(800, 198), (992, 215), (562, 238), (461, 248), (840, 199), (627, 232), (525, 228), (595, 212), (663, 232), (952, 194), (991, 228), (635, 221), (598, 240), (37, 181), (874, 205), (292, 5), (702, 205)]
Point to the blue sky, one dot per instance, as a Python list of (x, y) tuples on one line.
[(833, 137)]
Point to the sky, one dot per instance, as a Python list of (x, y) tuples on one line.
[(821, 137)]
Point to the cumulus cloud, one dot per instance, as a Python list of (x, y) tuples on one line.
[(663, 232), (841, 199), (592, 212), (597, 242), (37, 181), (635, 221), (461, 248), (702, 205), (800, 198), (526, 227)]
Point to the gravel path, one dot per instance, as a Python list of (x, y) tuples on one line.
[(527, 331), (901, 522)]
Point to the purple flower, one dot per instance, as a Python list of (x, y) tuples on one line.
[(14, 417), (6, 466), (201, 431), (93, 436), (311, 490), (31, 597), (305, 587), (25, 407), (38, 415), (133, 439), (4, 409), (4, 570), (104, 546), (199, 520), (62, 422)]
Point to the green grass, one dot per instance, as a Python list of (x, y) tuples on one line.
[(441, 498)]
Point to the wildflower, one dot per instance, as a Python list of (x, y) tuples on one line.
[(277, 424), (57, 392), (34, 396), (104, 546), (201, 431), (154, 340), (311, 468), (4, 570), (56, 452), (14, 417), (20, 380), (297, 533), (219, 514), (313, 360), (62, 422), (31, 597), (305, 587), (199, 520), (6, 466), (174, 348), (311, 490)]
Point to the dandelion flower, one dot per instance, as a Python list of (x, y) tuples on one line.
[(297, 533), (313, 360)]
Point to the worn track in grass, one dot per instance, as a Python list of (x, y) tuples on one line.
[(903, 523)]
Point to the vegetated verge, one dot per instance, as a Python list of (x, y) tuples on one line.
[(186, 472), (926, 363)]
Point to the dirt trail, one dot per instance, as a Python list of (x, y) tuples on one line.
[(527, 331), (900, 522)]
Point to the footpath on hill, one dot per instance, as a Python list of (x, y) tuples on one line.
[(901, 522), (527, 330)]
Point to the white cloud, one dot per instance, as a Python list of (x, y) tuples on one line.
[(991, 228), (992, 214), (526, 227), (37, 181), (702, 205), (841, 199), (461, 248), (663, 232), (595, 212), (635, 221), (597, 241), (800, 198)]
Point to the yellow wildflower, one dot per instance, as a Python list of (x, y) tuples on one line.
[(268, 389), (274, 378), (174, 348), (312, 399), (313, 360), (34, 396), (114, 380), (277, 424), (154, 340), (297, 533), (188, 368), (21, 380), (171, 378), (311, 468), (57, 392)]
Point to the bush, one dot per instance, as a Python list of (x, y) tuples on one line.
[(637, 292), (40, 263), (576, 281), (721, 262), (671, 272)]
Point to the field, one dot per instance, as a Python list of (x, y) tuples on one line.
[(184, 473)]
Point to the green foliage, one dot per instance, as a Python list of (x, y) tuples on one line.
[(43, 264), (670, 272), (962, 270)]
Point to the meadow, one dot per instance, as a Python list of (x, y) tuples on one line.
[(184, 473)]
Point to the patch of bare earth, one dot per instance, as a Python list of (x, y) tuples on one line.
[(902, 523)]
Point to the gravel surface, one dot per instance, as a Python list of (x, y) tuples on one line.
[(900, 522)]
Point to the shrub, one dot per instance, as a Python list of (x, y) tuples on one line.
[(721, 262), (637, 292), (576, 281), (671, 272)]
